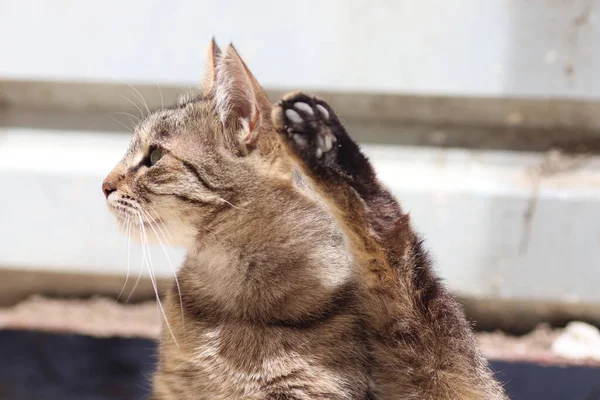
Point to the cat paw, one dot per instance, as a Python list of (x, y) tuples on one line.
[(314, 133), (307, 125)]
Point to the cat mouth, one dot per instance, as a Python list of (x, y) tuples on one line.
[(128, 213), (123, 214)]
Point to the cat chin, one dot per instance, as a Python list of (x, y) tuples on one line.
[(180, 235), (157, 232), (168, 235)]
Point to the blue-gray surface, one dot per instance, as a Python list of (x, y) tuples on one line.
[(45, 366)]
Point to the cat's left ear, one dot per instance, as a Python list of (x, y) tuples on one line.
[(213, 53), (235, 98)]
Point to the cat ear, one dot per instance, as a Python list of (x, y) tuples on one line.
[(263, 101), (235, 97), (213, 53), (265, 142)]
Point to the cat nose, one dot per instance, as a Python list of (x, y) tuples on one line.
[(112, 181), (108, 188)]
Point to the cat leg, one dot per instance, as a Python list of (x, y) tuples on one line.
[(313, 135), (421, 343)]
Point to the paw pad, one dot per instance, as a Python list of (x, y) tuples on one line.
[(306, 122), (300, 140), (304, 107), (293, 116), (323, 111)]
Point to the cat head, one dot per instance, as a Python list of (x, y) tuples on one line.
[(189, 163)]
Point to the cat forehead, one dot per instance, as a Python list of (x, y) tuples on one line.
[(162, 124)]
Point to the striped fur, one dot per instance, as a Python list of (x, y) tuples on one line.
[(266, 305), (296, 285)]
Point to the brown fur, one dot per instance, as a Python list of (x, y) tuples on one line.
[(276, 300), (421, 344), (268, 306)]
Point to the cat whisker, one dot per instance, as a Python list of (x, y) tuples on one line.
[(120, 224), (137, 281), (128, 219), (140, 97), (135, 284), (125, 207), (162, 103), (158, 220), (130, 117), (134, 104), (122, 124), (148, 258), (127, 114), (122, 211), (151, 222)]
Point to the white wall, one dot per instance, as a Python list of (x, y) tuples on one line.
[(467, 47), (498, 48), (469, 205)]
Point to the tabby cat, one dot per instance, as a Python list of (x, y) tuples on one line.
[(303, 278)]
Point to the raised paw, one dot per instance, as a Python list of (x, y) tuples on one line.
[(306, 122), (313, 132)]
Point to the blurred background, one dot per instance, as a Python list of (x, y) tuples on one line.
[(483, 117)]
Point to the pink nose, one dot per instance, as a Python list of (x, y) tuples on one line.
[(107, 188)]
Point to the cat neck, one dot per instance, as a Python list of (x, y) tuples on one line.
[(278, 258)]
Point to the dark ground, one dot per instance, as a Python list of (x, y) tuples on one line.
[(45, 366)]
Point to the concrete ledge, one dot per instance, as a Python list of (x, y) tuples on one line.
[(527, 112)]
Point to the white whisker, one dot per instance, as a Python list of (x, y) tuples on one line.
[(137, 280), (134, 104), (120, 223), (162, 103), (135, 284), (128, 115), (156, 218), (151, 222), (128, 219), (148, 259), (139, 96), (128, 128)]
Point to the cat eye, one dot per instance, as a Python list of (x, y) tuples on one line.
[(156, 155)]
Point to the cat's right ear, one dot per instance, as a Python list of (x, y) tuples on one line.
[(210, 72)]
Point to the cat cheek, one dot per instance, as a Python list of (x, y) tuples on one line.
[(140, 192)]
